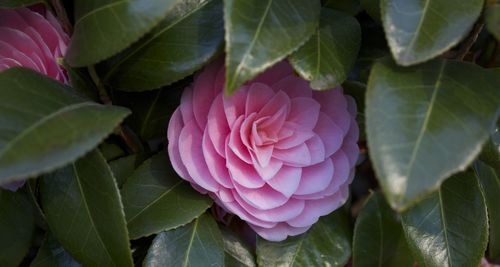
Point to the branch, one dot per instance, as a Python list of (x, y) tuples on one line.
[(469, 42)]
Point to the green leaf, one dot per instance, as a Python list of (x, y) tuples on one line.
[(372, 7), (358, 91), (492, 18), (16, 227), (151, 110), (351, 7), (450, 227), (104, 28), (156, 199), (331, 52), (490, 183), (51, 254), (84, 212), (327, 243), (122, 168), (491, 151), (378, 236), (261, 33), (425, 123), (45, 125), (190, 35), (236, 252), (419, 30), (196, 244)]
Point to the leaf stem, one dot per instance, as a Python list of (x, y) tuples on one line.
[(134, 146), (469, 42)]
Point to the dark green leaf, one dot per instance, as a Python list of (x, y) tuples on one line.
[(187, 38), (490, 182), (196, 244), (327, 243), (348, 6), (492, 18), (122, 168), (420, 30), (156, 199), (378, 236), (104, 28), (81, 81), (151, 110), (261, 33), (45, 125), (372, 7), (425, 123), (16, 227), (236, 252), (84, 212), (491, 151), (111, 151), (18, 3), (329, 55), (51, 254), (450, 227)]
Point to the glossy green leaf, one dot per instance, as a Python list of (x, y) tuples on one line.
[(18, 3), (418, 30), (327, 243), (372, 7), (492, 18), (84, 212), (450, 227), (104, 28), (52, 254), (378, 236), (156, 199), (348, 6), (122, 168), (490, 182), (331, 52), (261, 33), (45, 125), (196, 244), (16, 227), (151, 110), (237, 253), (190, 35), (425, 123)]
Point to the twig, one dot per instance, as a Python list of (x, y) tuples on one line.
[(469, 42), (62, 16), (133, 146)]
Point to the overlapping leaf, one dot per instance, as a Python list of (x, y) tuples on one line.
[(425, 123), (104, 28), (330, 53), (450, 227), (490, 182), (378, 236), (191, 34), (16, 227), (156, 200), (327, 243), (45, 125), (372, 7), (84, 212), (420, 30), (261, 33), (492, 17), (52, 254), (196, 244), (237, 253)]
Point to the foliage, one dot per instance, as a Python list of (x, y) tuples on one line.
[(101, 191)]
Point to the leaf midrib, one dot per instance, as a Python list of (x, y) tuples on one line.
[(41, 121), (251, 45), (92, 12), (190, 244), (417, 31)]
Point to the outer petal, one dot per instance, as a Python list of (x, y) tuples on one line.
[(174, 131)]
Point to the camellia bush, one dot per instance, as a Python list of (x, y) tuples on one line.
[(249, 133)]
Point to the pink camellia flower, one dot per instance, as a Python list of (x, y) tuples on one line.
[(275, 153), (31, 39)]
